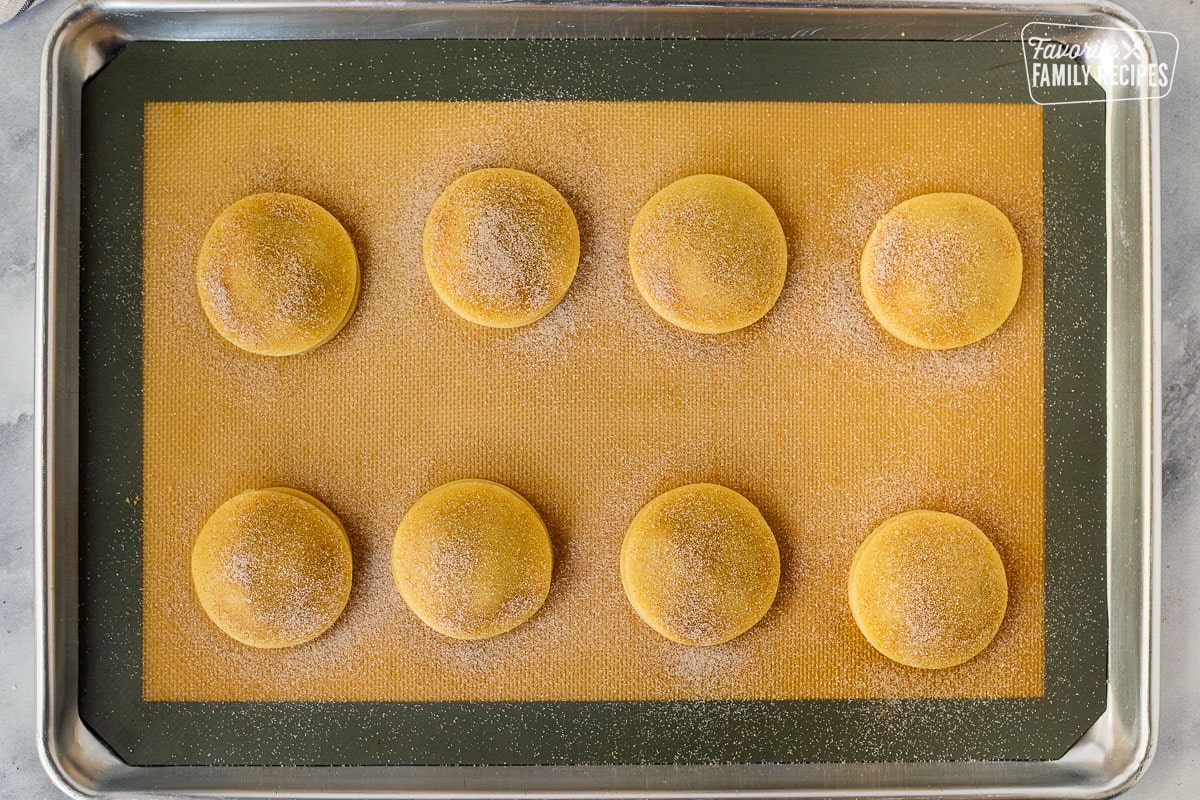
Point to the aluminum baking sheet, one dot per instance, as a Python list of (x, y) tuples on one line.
[(1099, 445)]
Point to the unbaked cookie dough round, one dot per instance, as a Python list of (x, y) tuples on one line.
[(708, 254), (942, 270), (272, 567), (927, 589), (700, 565), (472, 559), (501, 247), (277, 274)]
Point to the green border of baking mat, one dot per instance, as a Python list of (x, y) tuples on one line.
[(256, 733)]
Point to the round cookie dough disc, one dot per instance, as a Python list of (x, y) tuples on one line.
[(277, 275), (927, 589), (708, 254), (501, 247), (700, 565), (472, 559), (942, 270), (272, 567)]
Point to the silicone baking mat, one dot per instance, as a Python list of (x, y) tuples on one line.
[(814, 413)]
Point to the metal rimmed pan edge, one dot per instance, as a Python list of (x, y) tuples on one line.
[(1104, 762)]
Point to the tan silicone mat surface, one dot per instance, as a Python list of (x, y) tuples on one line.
[(814, 413)]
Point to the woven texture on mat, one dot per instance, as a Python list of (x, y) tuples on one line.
[(825, 422)]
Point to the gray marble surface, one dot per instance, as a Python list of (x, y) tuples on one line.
[(1176, 769)]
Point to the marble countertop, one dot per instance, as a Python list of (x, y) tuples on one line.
[(1175, 772)]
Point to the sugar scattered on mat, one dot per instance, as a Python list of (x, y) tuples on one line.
[(820, 317)]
